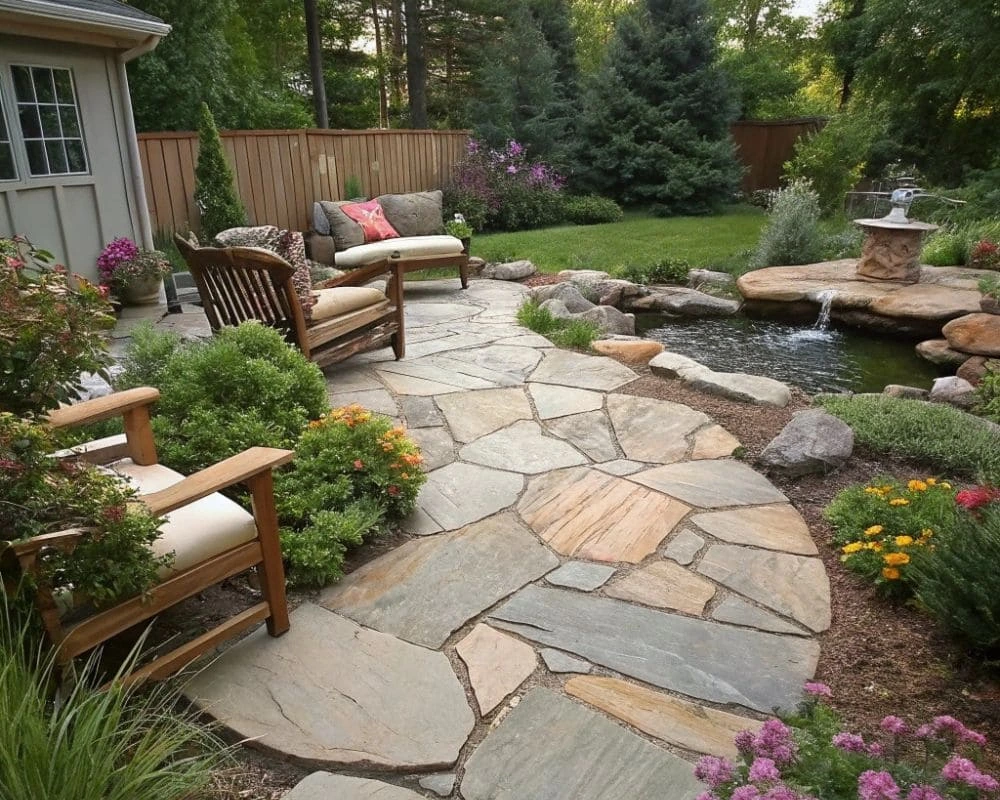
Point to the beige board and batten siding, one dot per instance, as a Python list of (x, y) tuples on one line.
[(73, 216)]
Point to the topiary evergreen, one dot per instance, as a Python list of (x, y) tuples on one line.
[(655, 122), (214, 191)]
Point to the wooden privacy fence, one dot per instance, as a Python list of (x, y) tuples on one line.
[(280, 174), (765, 145)]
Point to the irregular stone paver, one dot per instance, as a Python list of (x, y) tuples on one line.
[(587, 432), (458, 494), (774, 527), (497, 664), (378, 400), (329, 691), (513, 363), (521, 447), (346, 378), (738, 611), (422, 387), (436, 446), (326, 785), (443, 344), (561, 401), (560, 662), (664, 584), (526, 340), (566, 368), (680, 722), (442, 784), (653, 430), (426, 589), (621, 466), (792, 585), (683, 547), (419, 315), (473, 415), (711, 484), (714, 442), (701, 659), (550, 748), (420, 412), (589, 514), (423, 375), (580, 575)]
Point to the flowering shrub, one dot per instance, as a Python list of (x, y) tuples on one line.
[(51, 327), (883, 527), (809, 757), (984, 254), (122, 262), (504, 190)]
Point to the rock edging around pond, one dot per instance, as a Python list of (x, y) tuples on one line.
[(737, 386)]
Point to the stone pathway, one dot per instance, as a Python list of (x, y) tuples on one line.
[(594, 594)]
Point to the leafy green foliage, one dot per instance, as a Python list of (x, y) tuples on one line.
[(592, 209), (214, 188), (792, 234), (315, 553), (666, 270), (988, 391), (573, 333), (51, 329), (944, 248), (938, 435)]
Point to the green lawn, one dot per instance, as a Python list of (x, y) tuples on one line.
[(719, 241)]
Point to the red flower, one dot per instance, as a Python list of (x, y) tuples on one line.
[(14, 263), (394, 491), (104, 290), (114, 513), (977, 496), (358, 464)]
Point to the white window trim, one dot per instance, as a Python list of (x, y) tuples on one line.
[(10, 140)]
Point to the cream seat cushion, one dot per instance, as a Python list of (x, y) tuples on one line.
[(343, 300), (405, 246), (194, 532)]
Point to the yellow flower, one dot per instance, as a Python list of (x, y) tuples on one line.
[(930, 481), (873, 490), (890, 573), (904, 541), (853, 547), (945, 484), (886, 489), (896, 559), (873, 546), (916, 486), (874, 530), (926, 532), (899, 501)]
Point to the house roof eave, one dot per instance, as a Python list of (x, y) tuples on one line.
[(47, 13)]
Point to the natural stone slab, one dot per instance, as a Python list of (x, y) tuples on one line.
[(610, 320), (426, 589), (664, 584), (423, 387), (419, 315), (698, 658), (906, 392), (566, 293), (714, 442), (550, 748), (754, 389), (473, 415), (620, 466), (523, 448), (937, 351), (458, 494), (812, 441), (436, 446), (680, 722), (525, 340), (497, 664), (684, 547), (559, 662), (674, 365), (686, 302), (792, 585), (341, 378), (330, 691), (774, 527), (581, 575), (326, 785), (653, 430), (633, 352), (561, 401), (566, 368), (510, 270), (738, 611), (504, 364), (377, 400), (587, 432), (711, 484), (924, 301), (420, 412), (442, 784), (589, 514)]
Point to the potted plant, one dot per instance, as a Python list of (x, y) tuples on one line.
[(460, 229), (134, 273), (989, 287)]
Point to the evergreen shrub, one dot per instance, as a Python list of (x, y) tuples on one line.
[(667, 270), (792, 234), (592, 209), (214, 188)]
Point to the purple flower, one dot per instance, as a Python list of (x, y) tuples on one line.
[(512, 170), (707, 796), (714, 771), (764, 769), (744, 741), (782, 792), (514, 148), (923, 793), (817, 689), (962, 770), (472, 147), (746, 793), (875, 750), (874, 785), (893, 725), (774, 741), (925, 731), (849, 743)]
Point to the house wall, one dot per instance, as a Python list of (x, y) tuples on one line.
[(73, 216)]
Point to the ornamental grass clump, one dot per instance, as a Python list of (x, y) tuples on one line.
[(809, 756), (578, 334)]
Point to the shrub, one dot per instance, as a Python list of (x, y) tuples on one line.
[(214, 190), (667, 270), (576, 333), (944, 248), (984, 254), (51, 327), (792, 234), (845, 243), (884, 527), (314, 555), (937, 435), (592, 209), (988, 391)]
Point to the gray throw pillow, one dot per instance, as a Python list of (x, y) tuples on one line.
[(344, 230), (414, 214)]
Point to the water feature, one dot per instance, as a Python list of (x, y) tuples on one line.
[(825, 304), (817, 359)]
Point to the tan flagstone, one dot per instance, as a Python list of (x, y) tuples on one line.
[(497, 664), (714, 442), (664, 584), (774, 527), (471, 415)]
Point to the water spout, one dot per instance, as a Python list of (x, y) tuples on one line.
[(826, 302)]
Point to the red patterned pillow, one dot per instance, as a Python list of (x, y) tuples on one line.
[(372, 220)]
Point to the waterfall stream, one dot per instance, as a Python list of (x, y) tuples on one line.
[(826, 302)]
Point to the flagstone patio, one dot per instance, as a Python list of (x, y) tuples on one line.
[(613, 536)]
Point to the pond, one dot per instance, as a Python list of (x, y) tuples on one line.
[(817, 360)]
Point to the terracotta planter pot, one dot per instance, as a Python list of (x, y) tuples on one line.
[(143, 292)]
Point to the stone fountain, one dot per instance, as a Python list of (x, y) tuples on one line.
[(892, 245)]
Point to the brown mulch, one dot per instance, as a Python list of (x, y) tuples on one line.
[(540, 279)]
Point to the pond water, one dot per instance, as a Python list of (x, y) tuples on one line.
[(817, 360)]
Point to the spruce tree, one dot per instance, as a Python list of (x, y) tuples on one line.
[(655, 123), (214, 191)]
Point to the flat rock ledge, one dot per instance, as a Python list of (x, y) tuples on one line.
[(738, 386)]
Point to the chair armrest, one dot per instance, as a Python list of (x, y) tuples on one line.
[(237, 469), (101, 408), (43, 540), (362, 275)]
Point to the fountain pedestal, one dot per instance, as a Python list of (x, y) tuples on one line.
[(891, 250)]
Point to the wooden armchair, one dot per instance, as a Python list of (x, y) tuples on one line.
[(237, 284), (212, 538)]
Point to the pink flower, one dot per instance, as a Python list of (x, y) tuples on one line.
[(14, 263), (962, 770), (744, 741), (923, 793), (893, 725), (707, 796), (774, 741), (874, 785), (818, 690), (764, 769), (875, 750), (849, 743), (976, 497), (714, 771), (746, 793)]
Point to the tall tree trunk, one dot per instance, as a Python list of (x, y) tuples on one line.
[(396, 70), (316, 65), (847, 86), (416, 65), (383, 101)]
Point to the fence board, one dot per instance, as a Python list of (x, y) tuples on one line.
[(765, 146)]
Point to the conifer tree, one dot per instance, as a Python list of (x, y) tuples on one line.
[(655, 123), (214, 189)]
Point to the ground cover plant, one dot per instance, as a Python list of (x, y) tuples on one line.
[(575, 333)]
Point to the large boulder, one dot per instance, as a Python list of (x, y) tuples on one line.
[(566, 292), (632, 351), (709, 277), (583, 277), (617, 292), (741, 387), (974, 369), (977, 334), (674, 365), (557, 308), (954, 390), (509, 271), (610, 320), (813, 441), (905, 392), (686, 302), (937, 351)]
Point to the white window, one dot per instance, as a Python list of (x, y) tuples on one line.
[(49, 116), (8, 169)]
